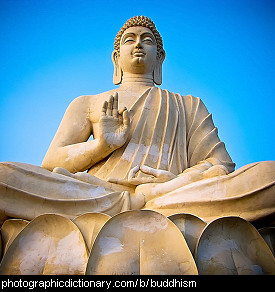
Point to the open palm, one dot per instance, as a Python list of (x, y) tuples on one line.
[(114, 124)]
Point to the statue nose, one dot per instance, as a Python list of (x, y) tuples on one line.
[(138, 44)]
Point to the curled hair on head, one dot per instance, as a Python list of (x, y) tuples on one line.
[(140, 21)]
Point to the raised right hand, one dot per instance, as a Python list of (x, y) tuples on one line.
[(114, 125)]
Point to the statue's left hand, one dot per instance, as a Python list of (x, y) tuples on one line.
[(158, 176), (147, 191)]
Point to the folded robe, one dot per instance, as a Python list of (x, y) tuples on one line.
[(169, 132)]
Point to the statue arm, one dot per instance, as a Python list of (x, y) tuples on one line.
[(203, 170), (70, 148)]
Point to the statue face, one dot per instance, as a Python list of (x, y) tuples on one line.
[(138, 50)]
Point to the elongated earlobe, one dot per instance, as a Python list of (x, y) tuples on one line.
[(157, 73), (117, 76)]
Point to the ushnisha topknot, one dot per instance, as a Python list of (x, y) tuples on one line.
[(140, 21)]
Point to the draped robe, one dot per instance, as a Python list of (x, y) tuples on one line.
[(169, 132)]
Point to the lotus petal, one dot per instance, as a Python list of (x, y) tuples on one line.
[(90, 224), (10, 230), (190, 226), (140, 242), (268, 234), (231, 245), (50, 244)]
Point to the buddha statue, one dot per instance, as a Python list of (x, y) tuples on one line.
[(151, 149)]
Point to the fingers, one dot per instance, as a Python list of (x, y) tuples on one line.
[(132, 173), (132, 180), (135, 181), (141, 180), (122, 110), (125, 118), (162, 175), (120, 114), (150, 170), (104, 108), (110, 106), (123, 182), (112, 180), (115, 105)]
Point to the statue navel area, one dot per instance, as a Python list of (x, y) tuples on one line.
[(154, 192)]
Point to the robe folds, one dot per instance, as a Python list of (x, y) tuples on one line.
[(169, 132)]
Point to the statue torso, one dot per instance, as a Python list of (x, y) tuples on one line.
[(127, 96)]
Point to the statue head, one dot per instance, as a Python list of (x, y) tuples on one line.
[(138, 48)]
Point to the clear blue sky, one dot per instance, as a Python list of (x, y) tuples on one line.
[(55, 50)]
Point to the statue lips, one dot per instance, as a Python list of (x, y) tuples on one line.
[(138, 53), (140, 56)]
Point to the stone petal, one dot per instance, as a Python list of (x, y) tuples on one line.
[(10, 229), (49, 244), (231, 245), (140, 242), (90, 224), (190, 226)]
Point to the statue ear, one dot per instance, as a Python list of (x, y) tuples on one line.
[(117, 77), (157, 73)]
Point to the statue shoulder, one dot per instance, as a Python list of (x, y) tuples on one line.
[(99, 97), (193, 103), (90, 100), (91, 104), (189, 101)]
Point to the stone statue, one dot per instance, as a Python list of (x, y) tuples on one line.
[(154, 154), (151, 149)]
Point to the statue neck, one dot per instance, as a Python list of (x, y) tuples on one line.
[(137, 79)]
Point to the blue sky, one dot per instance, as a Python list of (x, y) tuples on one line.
[(55, 50)]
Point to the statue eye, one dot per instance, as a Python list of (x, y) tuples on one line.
[(148, 40), (128, 40)]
